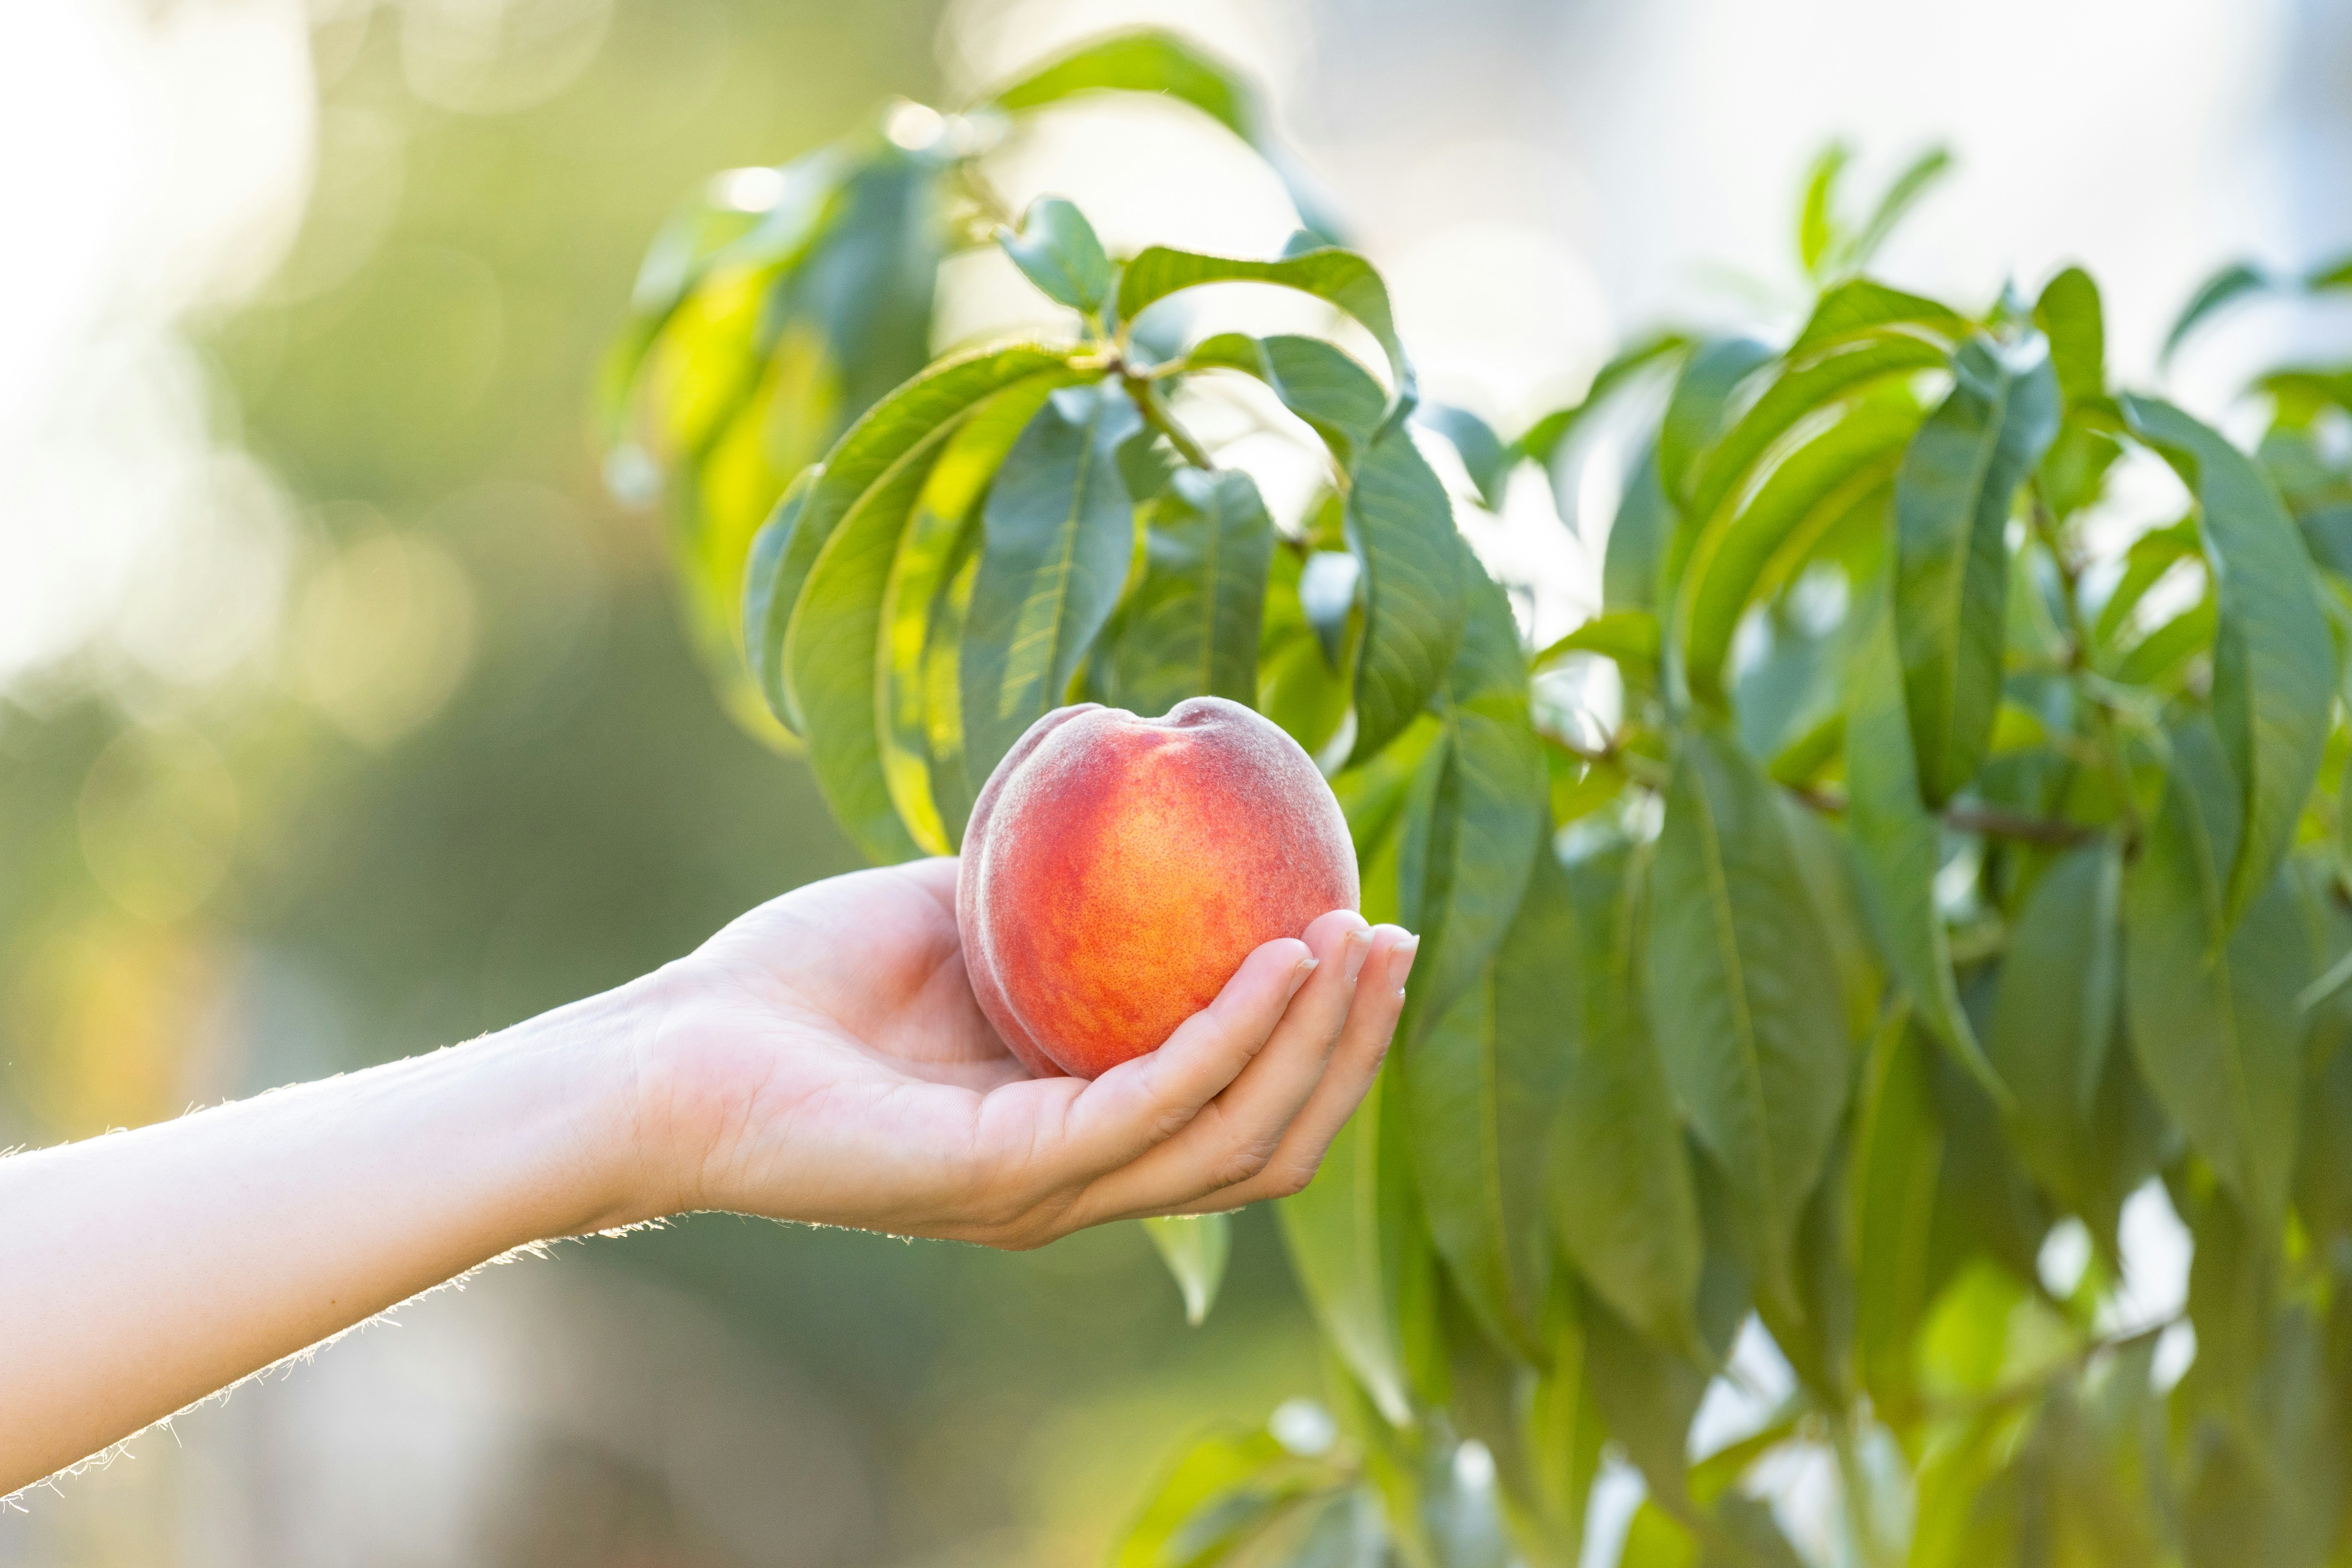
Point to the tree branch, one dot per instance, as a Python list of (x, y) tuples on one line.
[(1155, 414), (1991, 821)]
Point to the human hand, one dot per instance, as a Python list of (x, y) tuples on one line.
[(821, 1059)]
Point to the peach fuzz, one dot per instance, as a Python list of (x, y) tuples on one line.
[(1117, 870)]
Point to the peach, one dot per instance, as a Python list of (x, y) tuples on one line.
[(1117, 871)]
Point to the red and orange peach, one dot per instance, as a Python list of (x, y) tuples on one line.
[(1117, 870)]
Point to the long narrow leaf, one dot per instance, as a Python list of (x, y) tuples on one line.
[(2212, 1012), (1190, 629), (2273, 664), (1401, 527), (1059, 532), (1809, 489), (938, 541), (872, 449), (1900, 841), (1952, 498), (1619, 1178), (1749, 1011)]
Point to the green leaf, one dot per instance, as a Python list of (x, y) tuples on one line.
[(2150, 557), (918, 752), (1859, 308), (778, 338), (1834, 375), (1628, 636), (1833, 877), (1060, 532), (2272, 1491), (1821, 1346), (1695, 409), (1563, 1438), (1899, 840), (1541, 441), (1349, 1532), (1327, 597), (1809, 489), (1341, 278), (2056, 1011), (832, 656), (2069, 315), (2161, 660), (1633, 560), (873, 453), (1416, 569), (1986, 1202), (842, 549), (1055, 248), (769, 599), (1898, 1158), (708, 231), (1390, 802), (2323, 1179), (1648, 1394), (2074, 471), (1319, 382), (1221, 1493), (1952, 501), (1968, 1500), (2233, 1297), (1490, 802), (1194, 1247), (1167, 65), (2229, 285), (1749, 1015), (1484, 456), (1817, 233), (953, 790), (1303, 685), (1356, 1248), (2273, 664), (2330, 275), (1191, 628), (1621, 1198), (1902, 194), (2212, 1012), (1481, 1079)]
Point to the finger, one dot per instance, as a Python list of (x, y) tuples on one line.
[(1355, 1063), (1143, 1102), (1237, 1131)]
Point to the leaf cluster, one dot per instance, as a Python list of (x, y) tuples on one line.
[(1938, 872)]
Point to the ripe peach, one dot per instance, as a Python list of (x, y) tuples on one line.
[(1117, 871)]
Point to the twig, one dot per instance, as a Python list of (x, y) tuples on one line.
[(1645, 771), (1155, 414), (1991, 821)]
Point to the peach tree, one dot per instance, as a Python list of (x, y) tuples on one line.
[(1948, 855)]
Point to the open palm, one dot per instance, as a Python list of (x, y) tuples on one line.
[(823, 1058)]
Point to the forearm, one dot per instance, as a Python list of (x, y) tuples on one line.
[(141, 1271)]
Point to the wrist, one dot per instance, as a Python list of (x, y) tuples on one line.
[(588, 1064)]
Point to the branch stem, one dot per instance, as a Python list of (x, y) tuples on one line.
[(1991, 821), (1155, 414)]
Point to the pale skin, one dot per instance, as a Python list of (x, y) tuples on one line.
[(820, 1059)]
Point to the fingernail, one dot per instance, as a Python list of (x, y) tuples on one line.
[(1401, 960), (1298, 975), (1359, 948)]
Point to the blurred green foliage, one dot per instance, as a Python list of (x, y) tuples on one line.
[(409, 867)]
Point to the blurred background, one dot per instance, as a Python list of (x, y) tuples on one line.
[(342, 715)]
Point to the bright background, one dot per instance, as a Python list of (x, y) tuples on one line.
[(342, 716)]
